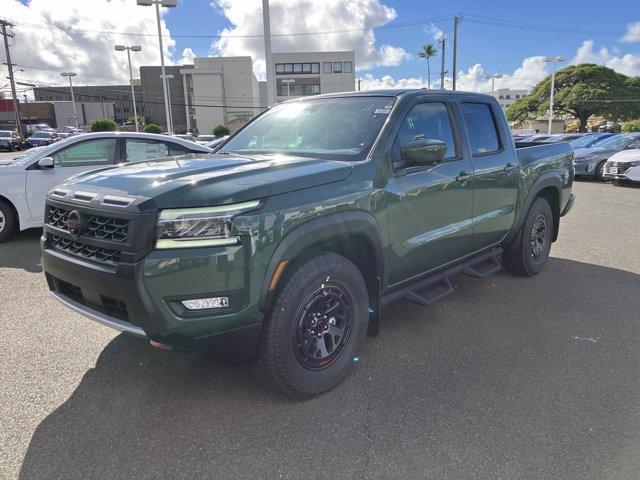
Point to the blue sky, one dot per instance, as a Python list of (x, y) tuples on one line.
[(498, 36), (497, 48)]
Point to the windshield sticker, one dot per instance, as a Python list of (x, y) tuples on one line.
[(382, 111)]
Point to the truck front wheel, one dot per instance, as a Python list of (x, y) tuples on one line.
[(529, 253), (317, 322)]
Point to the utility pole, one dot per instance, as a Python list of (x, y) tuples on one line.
[(271, 81), (359, 82), (442, 41), (456, 22), (16, 111)]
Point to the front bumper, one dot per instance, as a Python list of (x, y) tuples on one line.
[(630, 174), (138, 297), (586, 168)]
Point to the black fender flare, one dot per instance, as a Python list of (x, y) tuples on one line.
[(547, 179), (319, 230)]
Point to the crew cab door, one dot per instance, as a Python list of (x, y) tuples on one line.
[(76, 158), (495, 165), (430, 206)]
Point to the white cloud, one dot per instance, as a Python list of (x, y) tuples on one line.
[(633, 33), (475, 79), (51, 37), (434, 31), (628, 64), (187, 56), (348, 17)]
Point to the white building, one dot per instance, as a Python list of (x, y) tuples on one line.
[(87, 112), (507, 96), (312, 73), (219, 90)]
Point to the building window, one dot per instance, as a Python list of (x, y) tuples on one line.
[(337, 67), (348, 67), (326, 67), (501, 97), (517, 97), (297, 68), (297, 90), (508, 97)]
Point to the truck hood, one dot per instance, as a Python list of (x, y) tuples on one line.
[(626, 156), (214, 179)]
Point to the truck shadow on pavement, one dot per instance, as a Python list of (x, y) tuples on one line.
[(509, 378), (22, 251)]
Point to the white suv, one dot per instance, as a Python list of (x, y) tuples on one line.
[(25, 180)]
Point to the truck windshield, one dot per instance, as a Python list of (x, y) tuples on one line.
[(333, 128)]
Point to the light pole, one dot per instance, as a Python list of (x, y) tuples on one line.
[(158, 4), (493, 80), (73, 99), (166, 78), (288, 81), (129, 49), (553, 61)]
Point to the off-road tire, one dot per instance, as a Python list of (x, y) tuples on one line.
[(519, 258), (278, 359)]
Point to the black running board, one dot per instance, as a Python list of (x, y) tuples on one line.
[(434, 287)]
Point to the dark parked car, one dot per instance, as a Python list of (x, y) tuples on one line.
[(40, 138), (9, 140), (589, 162), (562, 137), (590, 140), (285, 243)]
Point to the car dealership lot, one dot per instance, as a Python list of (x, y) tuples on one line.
[(507, 378)]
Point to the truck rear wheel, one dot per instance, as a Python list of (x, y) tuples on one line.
[(528, 255), (317, 322)]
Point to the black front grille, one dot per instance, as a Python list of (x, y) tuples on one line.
[(83, 250), (115, 307), (58, 217), (105, 228), (97, 226)]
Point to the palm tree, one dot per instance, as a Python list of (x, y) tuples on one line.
[(427, 52)]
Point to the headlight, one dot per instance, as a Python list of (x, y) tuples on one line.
[(199, 227)]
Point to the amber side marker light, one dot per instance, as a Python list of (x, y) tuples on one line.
[(277, 274)]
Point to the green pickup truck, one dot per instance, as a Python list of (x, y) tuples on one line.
[(283, 245)]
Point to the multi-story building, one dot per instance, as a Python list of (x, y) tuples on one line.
[(312, 73), (507, 96), (116, 99), (219, 90), (153, 96)]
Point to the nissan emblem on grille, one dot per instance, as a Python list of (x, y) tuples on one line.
[(74, 223)]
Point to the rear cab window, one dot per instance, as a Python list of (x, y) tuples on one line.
[(481, 127)]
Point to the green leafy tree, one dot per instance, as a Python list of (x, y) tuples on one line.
[(220, 130), (103, 125), (153, 128), (631, 126), (581, 91), (141, 119), (427, 52)]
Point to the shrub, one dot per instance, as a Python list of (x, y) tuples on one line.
[(220, 130), (153, 128), (103, 125), (631, 126)]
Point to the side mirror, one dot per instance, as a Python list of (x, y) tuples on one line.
[(424, 152), (45, 163)]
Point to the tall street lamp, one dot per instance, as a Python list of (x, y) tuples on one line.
[(73, 99), (129, 49), (553, 61), (158, 4), (165, 81), (493, 80)]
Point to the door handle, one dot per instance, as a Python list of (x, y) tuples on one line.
[(509, 166), (463, 177)]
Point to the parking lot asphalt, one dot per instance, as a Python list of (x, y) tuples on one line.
[(509, 378)]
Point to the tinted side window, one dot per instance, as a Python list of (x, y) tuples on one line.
[(176, 150), (481, 127), (425, 120), (141, 150), (92, 152)]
